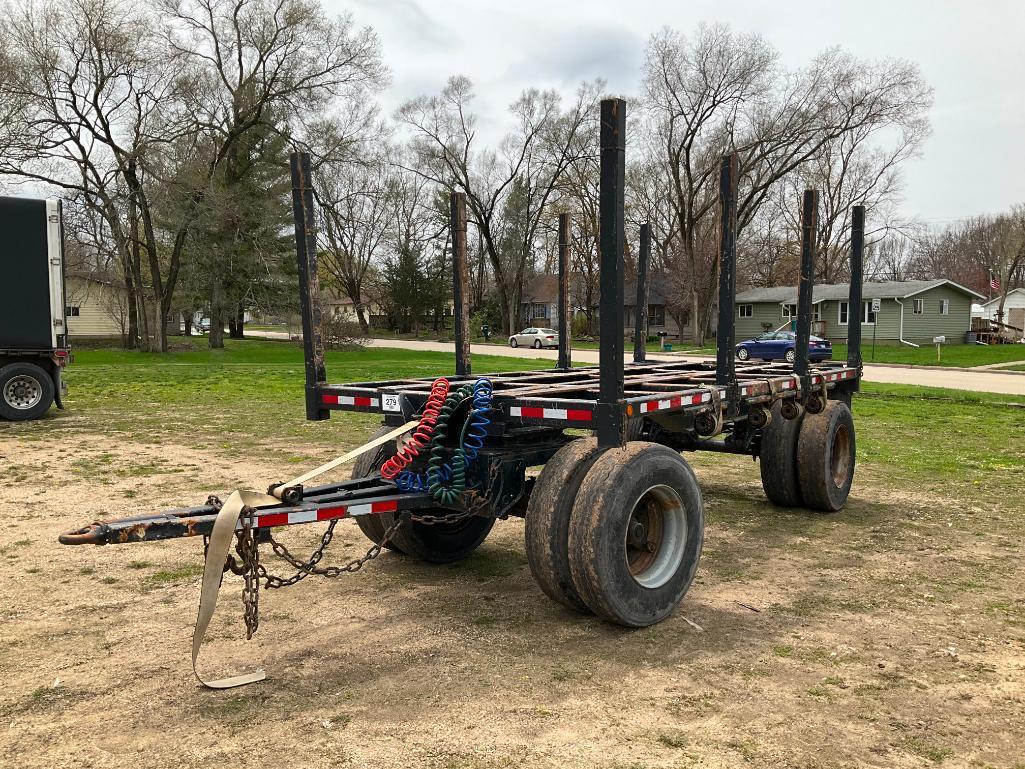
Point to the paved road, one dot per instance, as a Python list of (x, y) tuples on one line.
[(991, 381)]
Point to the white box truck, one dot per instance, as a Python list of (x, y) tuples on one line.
[(33, 328)]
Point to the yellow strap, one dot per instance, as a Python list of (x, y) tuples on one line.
[(220, 542)]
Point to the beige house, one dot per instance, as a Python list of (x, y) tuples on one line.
[(96, 308)]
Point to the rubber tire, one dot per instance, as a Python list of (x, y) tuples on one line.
[(777, 460), (815, 457), (597, 533), (546, 529), (366, 464), (513, 343), (442, 542), (45, 383), (790, 356), (743, 354), (537, 344)]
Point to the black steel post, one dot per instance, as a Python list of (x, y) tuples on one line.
[(809, 235), (854, 296), (460, 284), (609, 408), (725, 335), (309, 284), (641, 308), (564, 310)]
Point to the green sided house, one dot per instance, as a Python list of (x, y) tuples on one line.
[(913, 311)]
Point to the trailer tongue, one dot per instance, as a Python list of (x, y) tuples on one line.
[(614, 522)]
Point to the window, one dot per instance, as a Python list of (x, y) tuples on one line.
[(918, 307), (656, 315), (944, 307), (745, 310), (789, 310), (72, 311), (538, 311), (867, 316)]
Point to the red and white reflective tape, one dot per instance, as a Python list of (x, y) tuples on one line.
[(268, 519), (834, 377), (563, 415), (352, 400), (677, 401)]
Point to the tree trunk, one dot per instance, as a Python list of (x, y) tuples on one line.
[(361, 316), (187, 317), (239, 331), (695, 317), (216, 316), (232, 327)]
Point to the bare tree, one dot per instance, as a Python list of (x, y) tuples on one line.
[(721, 91), (518, 178)]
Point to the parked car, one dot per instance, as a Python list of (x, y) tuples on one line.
[(536, 338), (780, 345)]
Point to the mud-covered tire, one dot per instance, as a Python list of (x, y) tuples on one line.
[(26, 392), (635, 534), (547, 522), (777, 460), (369, 463), (826, 457)]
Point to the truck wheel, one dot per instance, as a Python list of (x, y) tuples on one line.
[(635, 534), (777, 460), (825, 457), (548, 517), (366, 464), (26, 391)]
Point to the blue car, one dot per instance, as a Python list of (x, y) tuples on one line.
[(780, 345)]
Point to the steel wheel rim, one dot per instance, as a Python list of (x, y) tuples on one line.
[(840, 456), (23, 392), (656, 536)]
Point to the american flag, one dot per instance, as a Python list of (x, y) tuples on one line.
[(994, 282)]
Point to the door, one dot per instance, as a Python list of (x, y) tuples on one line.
[(26, 321)]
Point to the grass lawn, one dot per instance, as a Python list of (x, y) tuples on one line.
[(960, 355)]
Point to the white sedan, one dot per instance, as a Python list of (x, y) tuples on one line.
[(536, 338)]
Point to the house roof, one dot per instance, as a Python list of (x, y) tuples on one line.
[(996, 299), (840, 291)]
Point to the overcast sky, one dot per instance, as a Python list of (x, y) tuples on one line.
[(970, 52)]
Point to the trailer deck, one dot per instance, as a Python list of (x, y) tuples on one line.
[(567, 397)]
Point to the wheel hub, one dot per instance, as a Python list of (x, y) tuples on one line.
[(23, 392), (656, 536)]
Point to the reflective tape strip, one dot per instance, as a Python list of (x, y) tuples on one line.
[(352, 400), (674, 403), (267, 520), (563, 415)]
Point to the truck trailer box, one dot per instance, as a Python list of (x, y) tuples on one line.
[(33, 328)]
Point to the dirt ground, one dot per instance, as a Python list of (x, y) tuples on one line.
[(890, 635)]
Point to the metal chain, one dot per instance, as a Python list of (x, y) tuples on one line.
[(249, 553)]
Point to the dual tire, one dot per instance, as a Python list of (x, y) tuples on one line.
[(616, 532), (809, 461)]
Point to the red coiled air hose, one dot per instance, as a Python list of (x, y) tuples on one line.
[(422, 434)]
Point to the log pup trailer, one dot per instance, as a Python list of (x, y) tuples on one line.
[(614, 520)]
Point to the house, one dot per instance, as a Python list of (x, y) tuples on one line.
[(539, 303), (913, 311), (95, 307), (1014, 309)]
